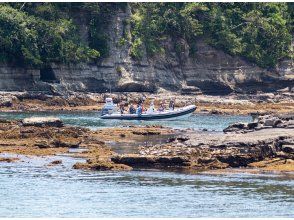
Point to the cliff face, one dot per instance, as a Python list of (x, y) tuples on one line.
[(210, 71)]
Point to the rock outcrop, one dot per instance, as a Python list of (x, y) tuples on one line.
[(263, 122), (190, 150), (42, 122), (198, 151), (5, 102)]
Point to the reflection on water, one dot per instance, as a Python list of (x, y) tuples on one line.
[(92, 120), (30, 189)]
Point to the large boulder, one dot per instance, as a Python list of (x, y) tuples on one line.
[(268, 121), (273, 122), (151, 161), (42, 122), (236, 127), (288, 148), (289, 124), (5, 102)]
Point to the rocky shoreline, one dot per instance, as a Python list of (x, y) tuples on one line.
[(263, 148), (238, 104), (265, 144)]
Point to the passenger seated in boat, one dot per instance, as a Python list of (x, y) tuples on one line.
[(171, 105), (121, 107), (132, 109), (151, 108), (139, 109), (161, 107)]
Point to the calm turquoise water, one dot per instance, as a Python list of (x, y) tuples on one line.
[(92, 120), (29, 188)]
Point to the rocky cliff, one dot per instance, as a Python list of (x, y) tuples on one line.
[(209, 71)]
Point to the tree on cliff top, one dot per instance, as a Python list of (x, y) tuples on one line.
[(260, 32), (41, 33), (34, 40)]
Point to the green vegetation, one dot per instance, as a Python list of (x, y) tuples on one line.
[(260, 32), (257, 31), (153, 23), (38, 34)]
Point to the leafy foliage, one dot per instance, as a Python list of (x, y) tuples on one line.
[(257, 31), (260, 32), (34, 40), (152, 23), (40, 33)]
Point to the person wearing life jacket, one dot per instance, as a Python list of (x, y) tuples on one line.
[(171, 105), (121, 108), (161, 107), (139, 109), (132, 109)]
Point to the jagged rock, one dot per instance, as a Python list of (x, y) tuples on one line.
[(55, 162), (5, 102), (182, 138), (42, 122), (271, 122), (215, 112), (8, 159), (67, 143), (42, 144), (236, 127), (190, 90), (263, 122), (146, 132), (289, 124), (210, 163), (252, 125), (237, 160), (151, 161), (5, 121), (100, 165), (288, 148)]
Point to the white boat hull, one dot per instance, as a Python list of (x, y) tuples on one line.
[(166, 115)]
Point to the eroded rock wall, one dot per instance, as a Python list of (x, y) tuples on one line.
[(210, 71)]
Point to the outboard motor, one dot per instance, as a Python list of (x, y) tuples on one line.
[(109, 107)]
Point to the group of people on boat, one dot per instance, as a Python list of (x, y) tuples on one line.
[(137, 111), (140, 107)]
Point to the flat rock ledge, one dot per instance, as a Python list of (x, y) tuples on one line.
[(42, 122), (263, 122), (101, 165), (201, 151), (151, 161), (190, 150)]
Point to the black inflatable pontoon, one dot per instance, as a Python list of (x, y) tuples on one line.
[(153, 115)]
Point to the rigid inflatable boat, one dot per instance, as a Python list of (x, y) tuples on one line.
[(153, 115)]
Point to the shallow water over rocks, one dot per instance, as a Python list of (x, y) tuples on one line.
[(31, 188)]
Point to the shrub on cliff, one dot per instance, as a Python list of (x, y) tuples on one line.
[(31, 40), (41, 33), (152, 23), (260, 32)]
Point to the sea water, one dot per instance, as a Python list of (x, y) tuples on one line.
[(31, 188), (93, 120)]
